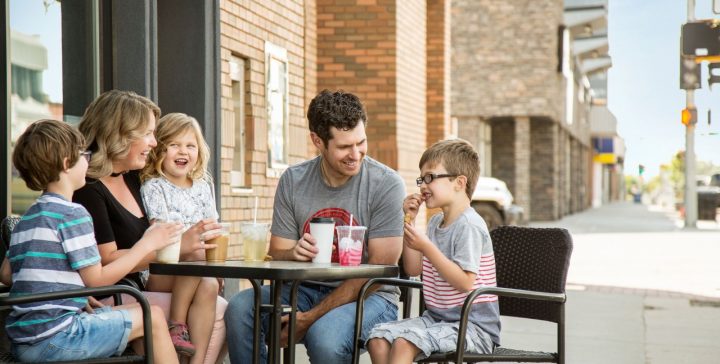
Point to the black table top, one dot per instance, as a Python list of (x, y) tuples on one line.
[(274, 270)]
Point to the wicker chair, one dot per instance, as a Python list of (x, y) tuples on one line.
[(6, 227), (531, 266)]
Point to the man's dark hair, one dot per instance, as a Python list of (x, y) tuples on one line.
[(338, 109)]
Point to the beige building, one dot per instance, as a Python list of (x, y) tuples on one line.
[(521, 93)]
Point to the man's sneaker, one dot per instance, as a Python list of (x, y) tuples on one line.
[(181, 338)]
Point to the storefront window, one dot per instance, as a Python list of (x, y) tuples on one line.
[(36, 76)]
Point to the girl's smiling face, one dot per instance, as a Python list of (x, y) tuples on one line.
[(181, 156)]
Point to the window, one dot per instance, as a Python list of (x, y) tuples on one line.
[(276, 77), (41, 86), (239, 172)]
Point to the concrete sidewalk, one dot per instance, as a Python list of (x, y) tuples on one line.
[(640, 289)]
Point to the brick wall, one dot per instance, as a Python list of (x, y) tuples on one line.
[(245, 26), (504, 58), (438, 70), (376, 49), (544, 170)]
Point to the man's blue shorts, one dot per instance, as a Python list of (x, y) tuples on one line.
[(98, 335)]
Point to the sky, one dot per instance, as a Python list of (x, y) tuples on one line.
[(643, 83)]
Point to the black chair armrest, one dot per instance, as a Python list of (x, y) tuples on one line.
[(95, 291), (499, 291), (364, 292), (124, 282)]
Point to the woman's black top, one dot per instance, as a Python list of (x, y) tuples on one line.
[(111, 220)]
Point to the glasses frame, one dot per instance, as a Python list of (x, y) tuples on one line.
[(87, 154), (432, 177)]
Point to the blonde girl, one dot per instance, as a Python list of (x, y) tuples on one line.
[(176, 181)]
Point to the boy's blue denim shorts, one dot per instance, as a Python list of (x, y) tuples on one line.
[(99, 335)]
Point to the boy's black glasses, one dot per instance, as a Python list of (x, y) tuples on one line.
[(87, 154), (430, 177)]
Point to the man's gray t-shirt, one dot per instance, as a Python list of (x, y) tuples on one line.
[(374, 198)]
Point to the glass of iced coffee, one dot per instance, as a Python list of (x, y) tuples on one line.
[(255, 239), (219, 254)]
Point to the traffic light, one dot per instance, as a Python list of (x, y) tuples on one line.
[(641, 169), (689, 73), (700, 38), (689, 116)]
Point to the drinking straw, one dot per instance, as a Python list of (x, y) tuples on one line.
[(255, 211)]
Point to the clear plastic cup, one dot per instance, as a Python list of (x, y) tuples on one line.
[(323, 229), (219, 254), (255, 239), (350, 244), (170, 253)]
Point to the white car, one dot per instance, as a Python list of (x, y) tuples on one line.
[(494, 202)]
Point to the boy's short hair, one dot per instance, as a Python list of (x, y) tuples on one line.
[(458, 157), (338, 109), (40, 152)]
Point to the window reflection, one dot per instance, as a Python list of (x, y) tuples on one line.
[(36, 76)]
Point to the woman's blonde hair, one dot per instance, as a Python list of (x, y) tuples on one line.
[(111, 123), (170, 127)]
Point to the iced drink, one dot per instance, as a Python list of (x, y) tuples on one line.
[(350, 244), (219, 254), (170, 253), (254, 240), (323, 229)]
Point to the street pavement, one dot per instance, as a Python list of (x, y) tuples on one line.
[(641, 290)]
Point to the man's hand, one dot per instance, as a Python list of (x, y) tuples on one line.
[(302, 324), (305, 249), (415, 239)]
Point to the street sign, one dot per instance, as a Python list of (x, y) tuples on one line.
[(701, 38)]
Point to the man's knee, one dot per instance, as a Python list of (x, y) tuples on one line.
[(239, 305)]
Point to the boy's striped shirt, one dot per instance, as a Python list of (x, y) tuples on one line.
[(52, 241)]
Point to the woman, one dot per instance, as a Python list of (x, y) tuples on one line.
[(118, 127)]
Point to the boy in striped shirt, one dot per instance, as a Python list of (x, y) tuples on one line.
[(455, 257), (53, 248)]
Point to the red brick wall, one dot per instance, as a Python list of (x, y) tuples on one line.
[(245, 26), (438, 70), (376, 49)]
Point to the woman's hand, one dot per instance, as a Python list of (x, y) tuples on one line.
[(195, 238), (411, 205)]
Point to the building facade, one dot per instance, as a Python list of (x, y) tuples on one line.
[(499, 74), (521, 93)]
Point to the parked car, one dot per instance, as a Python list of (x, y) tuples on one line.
[(494, 202)]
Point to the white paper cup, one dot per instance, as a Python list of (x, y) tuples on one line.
[(323, 229)]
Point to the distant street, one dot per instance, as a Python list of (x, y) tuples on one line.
[(636, 246)]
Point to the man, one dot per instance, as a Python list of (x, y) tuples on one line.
[(341, 182)]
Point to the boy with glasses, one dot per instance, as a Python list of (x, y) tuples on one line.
[(455, 257)]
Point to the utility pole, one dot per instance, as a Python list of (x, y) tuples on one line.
[(691, 207)]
